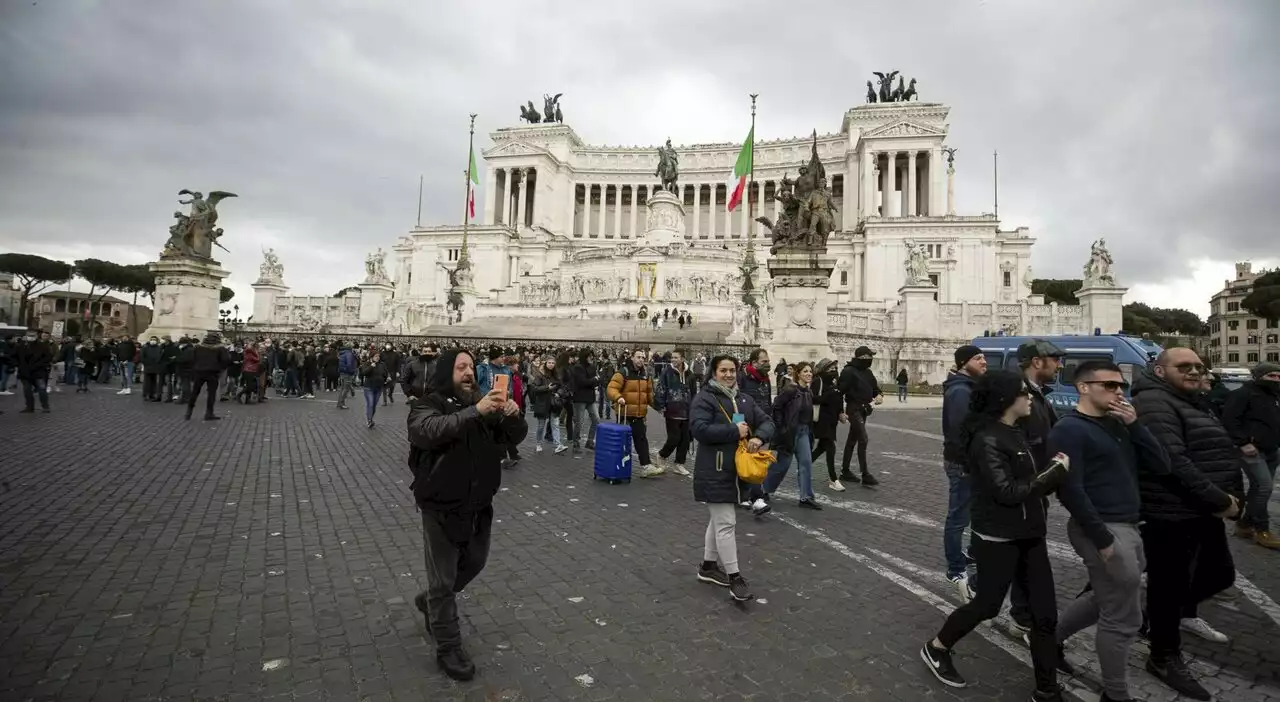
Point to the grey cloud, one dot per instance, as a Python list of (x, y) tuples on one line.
[(1150, 123)]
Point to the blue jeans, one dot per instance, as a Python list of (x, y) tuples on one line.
[(291, 381), (4, 377), (371, 396), (542, 431), (801, 450), (588, 409), (902, 393), (1261, 471), (126, 375), (957, 519)]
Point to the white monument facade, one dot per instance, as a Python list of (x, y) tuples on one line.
[(569, 230)]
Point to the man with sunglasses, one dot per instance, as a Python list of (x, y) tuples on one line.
[(1108, 449), (1188, 559)]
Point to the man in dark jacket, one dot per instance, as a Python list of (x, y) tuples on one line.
[(208, 360), (861, 390), (347, 367), (125, 350), (184, 367), (152, 370), (754, 379), (1188, 559), (583, 382), (970, 364), (1107, 449), (417, 372), (1251, 415), (674, 392), (392, 359), (35, 359), (168, 369), (456, 437)]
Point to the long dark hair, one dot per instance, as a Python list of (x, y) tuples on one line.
[(711, 369), (992, 394)]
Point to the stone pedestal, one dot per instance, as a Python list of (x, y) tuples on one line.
[(664, 222), (187, 297), (265, 294), (919, 311), (1103, 307), (374, 296), (800, 280)]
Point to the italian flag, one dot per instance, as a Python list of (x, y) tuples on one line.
[(474, 174), (741, 171)]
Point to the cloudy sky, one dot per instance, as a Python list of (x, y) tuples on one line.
[(1148, 122)]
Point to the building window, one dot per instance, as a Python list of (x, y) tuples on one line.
[(1253, 357), (1253, 338), (1233, 339), (1233, 306), (115, 313), (59, 305), (1273, 356), (1272, 324), (844, 277), (453, 254), (1233, 324), (1273, 338), (1008, 279), (1233, 357), (1251, 324), (934, 250)]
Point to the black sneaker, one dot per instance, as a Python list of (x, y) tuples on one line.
[(1054, 695), (810, 504), (456, 664), (739, 589), (847, 477), (714, 575), (939, 662), (1173, 672), (1107, 698), (869, 480)]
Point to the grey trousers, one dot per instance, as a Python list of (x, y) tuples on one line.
[(1114, 603), (455, 549), (720, 542), (344, 388)]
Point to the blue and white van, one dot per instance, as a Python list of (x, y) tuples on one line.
[(1128, 352)]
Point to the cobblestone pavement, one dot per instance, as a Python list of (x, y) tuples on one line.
[(275, 555)]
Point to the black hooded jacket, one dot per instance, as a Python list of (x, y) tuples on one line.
[(455, 452), (1206, 463), (1251, 415), (858, 384)]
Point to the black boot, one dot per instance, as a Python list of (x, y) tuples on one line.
[(210, 417), (847, 477), (456, 664), (869, 480), (187, 416)]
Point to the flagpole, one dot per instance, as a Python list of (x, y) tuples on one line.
[(749, 252), (995, 180), (419, 199), (463, 261)]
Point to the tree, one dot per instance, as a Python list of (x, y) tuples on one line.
[(141, 280), (103, 275), (1062, 291), (1140, 319), (343, 292), (225, 295), (1264, 299), (34, 274)]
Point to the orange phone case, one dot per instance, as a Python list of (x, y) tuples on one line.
[(501, 382)]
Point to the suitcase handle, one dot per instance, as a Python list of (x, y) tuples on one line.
[(621, 405)]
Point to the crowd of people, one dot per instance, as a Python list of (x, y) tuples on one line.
[(1146, 466)]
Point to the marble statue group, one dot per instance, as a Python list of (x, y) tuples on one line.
[(550, 110), (888, 93)]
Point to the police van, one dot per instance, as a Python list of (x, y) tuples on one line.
[(1129, 352)]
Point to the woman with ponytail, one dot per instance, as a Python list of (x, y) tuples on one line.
[(1008, 524)]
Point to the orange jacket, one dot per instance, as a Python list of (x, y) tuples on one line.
[(633, 386)]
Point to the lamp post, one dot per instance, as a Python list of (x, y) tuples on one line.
[(229, 321)]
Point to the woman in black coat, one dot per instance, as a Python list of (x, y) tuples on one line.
[(793, 437), (544, 400), (1008, 519), (720, 417), (830, 403)]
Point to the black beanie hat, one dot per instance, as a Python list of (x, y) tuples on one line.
[(965, 353), (442, 379)]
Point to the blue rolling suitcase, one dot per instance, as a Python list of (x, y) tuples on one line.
[(613, 452)]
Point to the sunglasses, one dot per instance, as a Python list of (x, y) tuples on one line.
[(1190, 367), (1109, 385)]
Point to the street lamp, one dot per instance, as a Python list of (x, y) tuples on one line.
[(230, 322)]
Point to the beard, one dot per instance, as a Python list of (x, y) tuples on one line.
[(467, 393)]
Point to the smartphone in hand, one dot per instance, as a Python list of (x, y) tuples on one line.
[(501, 382)]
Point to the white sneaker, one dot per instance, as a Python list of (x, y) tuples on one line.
[(836, 485), (962, 586), (650, 471), (537, 449), (5, 392), (1201, 628), (561, 449), (679, 469)]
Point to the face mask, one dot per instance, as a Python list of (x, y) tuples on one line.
[(861, 363), (1269, 384)]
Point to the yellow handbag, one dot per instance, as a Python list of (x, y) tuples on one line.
[(752, 466)]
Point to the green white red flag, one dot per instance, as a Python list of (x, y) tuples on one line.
[(474, 174), (737, 183)]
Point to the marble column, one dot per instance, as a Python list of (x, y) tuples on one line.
[(868, 185), (887, 208), (697, 209), (498, 195), (951, 191), (490, 195), (711, 213), (520, 217), (936, 169), (573, 210), (604, 210), (856, 293), (586, 210), (617, 211), (631, 212), (911, 183)]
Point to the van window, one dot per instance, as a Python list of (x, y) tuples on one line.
[(1067, 375)]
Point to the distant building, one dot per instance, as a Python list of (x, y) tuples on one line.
[(10, 299), (1236, 337), (112, 317)]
